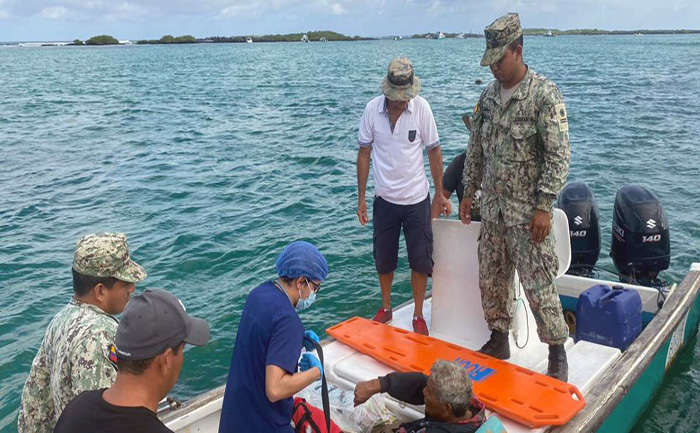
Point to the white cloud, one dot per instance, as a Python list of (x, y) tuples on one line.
[(240, 10), (130, 10), (435, 7), (363, 17), (53, 12), (338, 9)]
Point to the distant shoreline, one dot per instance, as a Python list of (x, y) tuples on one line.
[(598, 32), (327, 36)]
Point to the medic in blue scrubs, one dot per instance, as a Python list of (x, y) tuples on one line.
[(263, 375)]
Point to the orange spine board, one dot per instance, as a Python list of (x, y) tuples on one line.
[(525, 396)]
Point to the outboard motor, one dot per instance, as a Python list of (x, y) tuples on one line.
[(578, 202), (641, 246)]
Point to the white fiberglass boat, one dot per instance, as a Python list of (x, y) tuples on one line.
[(616, 385)]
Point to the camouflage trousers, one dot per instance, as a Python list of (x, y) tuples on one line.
[(501, 251)]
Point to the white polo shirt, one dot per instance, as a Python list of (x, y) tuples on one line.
[(398, 166)]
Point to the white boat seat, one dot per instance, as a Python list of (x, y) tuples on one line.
[(562, 243), (457, 315)]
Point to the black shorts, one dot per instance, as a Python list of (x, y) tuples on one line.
[(415, 219)]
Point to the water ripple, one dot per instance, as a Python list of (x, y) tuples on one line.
[(212, 157)]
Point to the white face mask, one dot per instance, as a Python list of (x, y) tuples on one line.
[(303, 304)]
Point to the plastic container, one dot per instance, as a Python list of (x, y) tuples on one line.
[(612, 317)]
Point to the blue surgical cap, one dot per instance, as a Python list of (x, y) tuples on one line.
[(302, 259)]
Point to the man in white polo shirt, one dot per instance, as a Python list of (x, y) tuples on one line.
[(394, 130)]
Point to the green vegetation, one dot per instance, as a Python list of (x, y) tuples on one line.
[(76, 42), (168, 39), (102, 40), (290, 37), (447, 35), (557, 32), (542, 32)]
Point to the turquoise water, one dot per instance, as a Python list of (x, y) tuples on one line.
[(212, 157)]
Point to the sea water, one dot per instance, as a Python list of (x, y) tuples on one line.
[(212, 157)]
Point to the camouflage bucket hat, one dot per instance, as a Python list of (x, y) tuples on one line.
[(499, 35), (106, 255), (400, 83)]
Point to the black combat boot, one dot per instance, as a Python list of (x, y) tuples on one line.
[(498, 345), (558, 367)]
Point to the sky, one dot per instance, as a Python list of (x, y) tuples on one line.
[(64, 20)]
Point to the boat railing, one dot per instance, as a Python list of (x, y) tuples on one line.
[(621, 377)]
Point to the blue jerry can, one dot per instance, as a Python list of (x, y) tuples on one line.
[(612, 317)]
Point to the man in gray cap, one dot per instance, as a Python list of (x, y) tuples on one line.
[(73, 357), (148, 352), (395, 129), (519, 154)]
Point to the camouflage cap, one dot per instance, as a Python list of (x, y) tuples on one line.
[(106, 255), (499, 35), (400, 83)]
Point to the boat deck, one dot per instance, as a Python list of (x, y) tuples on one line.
[(454, 314), (345, 366)]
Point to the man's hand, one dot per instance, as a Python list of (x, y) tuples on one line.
[(365, 390), (540, 225), (362, 211), (441, 205), (309, 338), (465, 210), (309, 361)]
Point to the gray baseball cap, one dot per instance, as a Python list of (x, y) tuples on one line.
[(154, 321)]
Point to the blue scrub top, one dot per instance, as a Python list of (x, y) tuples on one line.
[(270, 333)]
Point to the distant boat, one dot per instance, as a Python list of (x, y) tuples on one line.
[(323, 40), (639, 34), (305, 38), (397, 38), (460, 36), (441, 35), (549, 34), (248, 40)]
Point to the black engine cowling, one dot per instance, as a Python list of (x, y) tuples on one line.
[(578, 202), (641, 246)]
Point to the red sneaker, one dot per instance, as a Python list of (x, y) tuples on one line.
[(419, 326), (383, 316)]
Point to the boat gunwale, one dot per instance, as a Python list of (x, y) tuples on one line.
[(603, 398)]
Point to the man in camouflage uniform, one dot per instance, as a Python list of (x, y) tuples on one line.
[(519, 154), (73, 356)]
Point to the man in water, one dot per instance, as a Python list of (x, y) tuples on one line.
[(148, 351), (394, 130), (263, 375), (73, 357), (450, 405), (519, 154)]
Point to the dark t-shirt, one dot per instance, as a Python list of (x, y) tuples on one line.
[(270, 333), (408, 387), (89, 412), (452, 179)]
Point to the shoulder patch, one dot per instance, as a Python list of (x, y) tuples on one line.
[(476, 108), (561, 117)]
